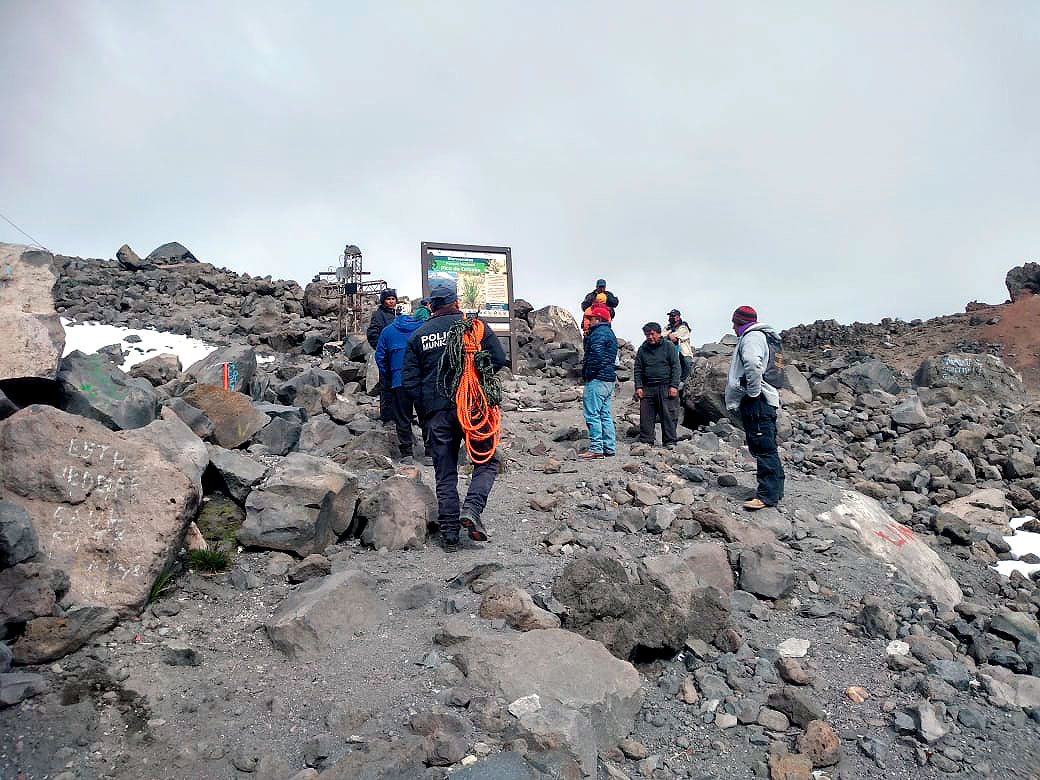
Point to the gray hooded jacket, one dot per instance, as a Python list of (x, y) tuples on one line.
[(749, 362)]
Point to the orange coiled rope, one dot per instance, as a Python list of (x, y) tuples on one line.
[(474, 388)]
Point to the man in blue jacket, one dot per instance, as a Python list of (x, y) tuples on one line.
[(421, 379), (390, 360), (597, 369)]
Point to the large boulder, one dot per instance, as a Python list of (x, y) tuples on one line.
[(320, 299), (868, 377), (302, 506), (312, 377), (241, 368), (239, 473), (108, 508), (645, 615), (704, 393), (27, 591), (579, 686), (1023, 280), (172, 252), (986, 509), (31, 333), (972, 374), (178, 443), (554, 324), (324, 614), (235, 419), (867, 524), (91, 386), (396, 513), (49, 638), (157, 370), (18, 541)]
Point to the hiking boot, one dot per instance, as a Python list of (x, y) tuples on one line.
[(590, 455), (473, 527), (755, 504), (450, 544), (609, 453)]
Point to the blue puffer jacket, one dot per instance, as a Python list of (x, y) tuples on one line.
[(600, 354), (391, 344)]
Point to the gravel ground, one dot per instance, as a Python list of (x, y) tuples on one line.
[(116, 710)]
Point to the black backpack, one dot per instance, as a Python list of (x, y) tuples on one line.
[(774, 373)]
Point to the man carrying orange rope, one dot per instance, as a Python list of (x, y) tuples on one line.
[(443, 399)]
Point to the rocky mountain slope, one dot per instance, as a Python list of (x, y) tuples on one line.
[(213, 583)]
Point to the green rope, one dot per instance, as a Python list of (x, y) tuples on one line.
[(449, 371)]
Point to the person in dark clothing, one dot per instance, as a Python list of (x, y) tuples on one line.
[(601, 287), (597, 369), (656, 378), (421, 379), (390, 360), (381, 317)]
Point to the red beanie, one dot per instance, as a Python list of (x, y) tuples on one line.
[(744, 315), (600, 312)]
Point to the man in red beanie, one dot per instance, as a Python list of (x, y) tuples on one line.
[(597, 369), (753, 387)]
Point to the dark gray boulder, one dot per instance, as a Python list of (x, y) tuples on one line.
[(173, 252), (18, 540), (241, 362), (92, 387)]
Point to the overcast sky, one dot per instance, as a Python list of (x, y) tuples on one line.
[(853, 160)]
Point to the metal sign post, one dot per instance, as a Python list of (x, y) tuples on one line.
[(483, 277)]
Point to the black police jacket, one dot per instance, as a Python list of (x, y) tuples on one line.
[(422, 357)]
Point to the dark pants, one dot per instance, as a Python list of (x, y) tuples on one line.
[(685, 363), (656, 405), (445, 438), (759, 420), (402, 408), (386, 403)]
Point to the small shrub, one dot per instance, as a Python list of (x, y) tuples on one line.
[(210, 560)]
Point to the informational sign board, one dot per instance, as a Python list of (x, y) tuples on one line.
[(483, 277)]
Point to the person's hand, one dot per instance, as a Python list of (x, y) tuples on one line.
[(673, 392), (673, 338), (639, 392)]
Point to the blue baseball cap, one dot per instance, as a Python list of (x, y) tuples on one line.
[(443, 293)]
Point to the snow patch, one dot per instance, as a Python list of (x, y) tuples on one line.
[(89, 337), (1022, 543)]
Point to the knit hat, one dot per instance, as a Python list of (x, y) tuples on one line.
[(422, 313), (601, 282), (442, 295), (389, 292), (744, 315), (601, 297), (599, 312)]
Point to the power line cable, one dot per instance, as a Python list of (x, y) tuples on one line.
[(35, 242)]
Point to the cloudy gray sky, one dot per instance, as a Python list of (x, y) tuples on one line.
[(812, 159)]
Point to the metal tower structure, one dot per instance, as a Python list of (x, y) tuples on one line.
[(346, 284)]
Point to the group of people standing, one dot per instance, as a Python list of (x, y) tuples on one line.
[(663, 362), (409, 350)]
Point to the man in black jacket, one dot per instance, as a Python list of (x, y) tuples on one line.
[(656, 378), (601, 287), (381, 317), (422, 381)]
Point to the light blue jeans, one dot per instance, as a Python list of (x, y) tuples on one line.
[(598, 417)]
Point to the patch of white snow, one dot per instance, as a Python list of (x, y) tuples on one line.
[(88, 337)]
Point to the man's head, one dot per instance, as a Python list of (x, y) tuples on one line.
[(388, 298), (601, 285), (743, 318), (674, 315), (652, 331), (598, 313), (442, 296)]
